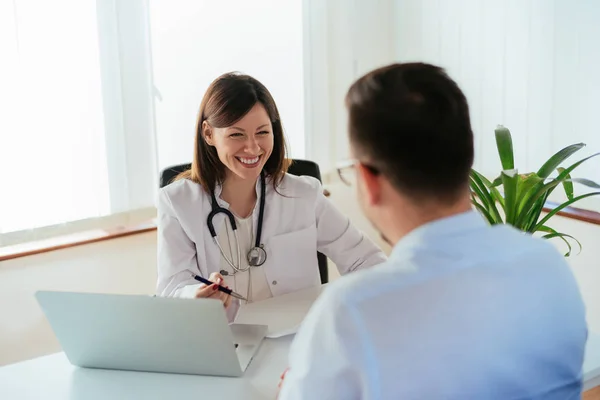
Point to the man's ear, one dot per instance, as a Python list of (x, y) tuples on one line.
[(207, 134), (371, 182)]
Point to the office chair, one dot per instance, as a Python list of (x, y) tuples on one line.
[(167, 175), (298, 168)]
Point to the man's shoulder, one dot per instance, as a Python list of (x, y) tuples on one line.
[(502, 245)]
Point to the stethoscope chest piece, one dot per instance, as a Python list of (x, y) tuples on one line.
[(257, 256)]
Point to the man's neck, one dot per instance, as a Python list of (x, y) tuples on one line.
[(240, 194), (413, 216)]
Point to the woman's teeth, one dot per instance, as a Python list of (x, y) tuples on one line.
[(249, 161)]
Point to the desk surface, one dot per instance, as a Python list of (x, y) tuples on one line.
[(53, 377)]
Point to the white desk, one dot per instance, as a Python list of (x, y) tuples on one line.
[(53, 377)]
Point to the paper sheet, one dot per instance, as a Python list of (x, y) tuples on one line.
[(283, 332)]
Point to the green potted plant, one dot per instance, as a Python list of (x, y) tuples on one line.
[(523, 196)]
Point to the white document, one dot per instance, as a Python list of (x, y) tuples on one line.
[(282, 314), (284, 332)]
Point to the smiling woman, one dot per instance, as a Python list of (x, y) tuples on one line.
[(237, 218)]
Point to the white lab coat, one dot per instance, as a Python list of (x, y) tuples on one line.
[(298, 222)]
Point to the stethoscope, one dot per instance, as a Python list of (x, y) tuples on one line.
[(256, 255)]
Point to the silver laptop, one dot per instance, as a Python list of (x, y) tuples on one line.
[(146, 333)]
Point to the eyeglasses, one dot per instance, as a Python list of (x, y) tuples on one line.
[(346, 170)]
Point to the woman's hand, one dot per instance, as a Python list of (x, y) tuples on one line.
[(212, 292)]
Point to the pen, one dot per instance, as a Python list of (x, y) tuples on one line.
[(219, 287)]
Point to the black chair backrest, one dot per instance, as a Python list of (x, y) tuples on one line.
[(298, 168), (169, 174), (305, 167)]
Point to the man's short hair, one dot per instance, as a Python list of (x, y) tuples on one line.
[(410, 122)]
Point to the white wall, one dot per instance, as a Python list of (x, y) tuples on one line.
[(344, 39), (193, 42), (585, 264), (530, 65)]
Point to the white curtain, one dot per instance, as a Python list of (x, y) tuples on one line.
[(53, 165)]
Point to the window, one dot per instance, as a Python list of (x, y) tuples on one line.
[(76, 134), (52, 151), (85, 83)]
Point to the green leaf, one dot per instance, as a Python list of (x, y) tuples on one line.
[(477, 194), (483, 211), (476, 191), (533, 203), (562, 236), (509, 182), (563, 205), (534, 216), (554, 233), (563, 175), (554, 161), (485, 180), (586, 182), (493, 191), (524, 192), (540, 189), (505, 147), (497, 181), (567, 184), (485, 197), (551, 235), (499, 198), (545, 228)]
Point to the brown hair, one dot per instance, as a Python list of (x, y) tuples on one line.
[(410, 122), (226, 101)]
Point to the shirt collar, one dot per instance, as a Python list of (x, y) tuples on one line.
[(440, 228)]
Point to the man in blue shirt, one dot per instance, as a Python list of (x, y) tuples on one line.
[(461, 310)]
